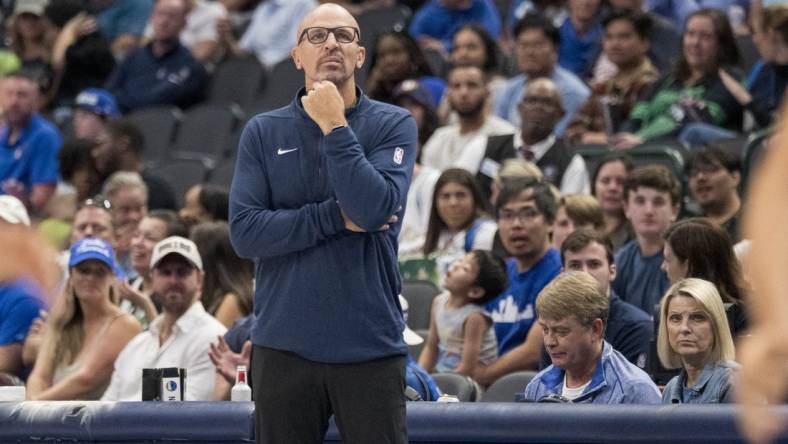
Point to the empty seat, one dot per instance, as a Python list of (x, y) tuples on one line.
[(505, 389), (284, 80), (419, 295), (158, 125), (753, 152), (181, 174), (205, 131), (223, 173), (237, 80), (461, 386)]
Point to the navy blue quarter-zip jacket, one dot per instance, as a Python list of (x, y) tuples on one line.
[(324, 292)]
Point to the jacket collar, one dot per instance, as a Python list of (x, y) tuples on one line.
[(361, 102), (554, 377)]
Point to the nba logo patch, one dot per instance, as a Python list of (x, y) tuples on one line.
[(398, 154)]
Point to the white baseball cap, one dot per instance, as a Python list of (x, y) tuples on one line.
[(13, 211), (176, 245), (410, 336)]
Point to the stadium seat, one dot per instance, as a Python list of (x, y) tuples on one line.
[(504, 389), (437, 63), (223, 173), (753, 151), (375, 22), (181, 174), (661, 154), (237, 80), (419, 295), (284, 80), (158, 125), (461, 386), (205, 131), (592, 154), (749, 52)]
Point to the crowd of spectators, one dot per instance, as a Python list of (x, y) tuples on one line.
[(591, 269)]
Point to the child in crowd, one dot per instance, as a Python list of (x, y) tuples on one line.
[(460, 335)]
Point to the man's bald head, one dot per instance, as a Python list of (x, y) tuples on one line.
[(540, 110), (543, 87), (329, 60), (327, 12)]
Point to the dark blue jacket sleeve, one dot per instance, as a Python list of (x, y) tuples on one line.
[(259, 230), (634, 342), (372, 188)]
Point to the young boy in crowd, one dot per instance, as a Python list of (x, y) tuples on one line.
[(651, 203), (460, 335)]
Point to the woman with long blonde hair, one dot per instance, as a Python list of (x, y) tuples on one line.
[(86, 330), (694, 336)]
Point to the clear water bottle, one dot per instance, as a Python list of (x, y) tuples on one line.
[(241, 390)]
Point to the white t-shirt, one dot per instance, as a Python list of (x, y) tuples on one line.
[(447, 146), (573, 393)]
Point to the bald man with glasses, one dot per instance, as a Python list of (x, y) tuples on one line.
[(318, 192)]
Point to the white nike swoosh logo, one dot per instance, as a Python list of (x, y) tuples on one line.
[(281, 151)]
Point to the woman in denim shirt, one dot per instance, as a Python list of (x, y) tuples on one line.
[(694, 336)]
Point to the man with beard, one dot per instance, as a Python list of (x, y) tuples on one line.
[(120, 147), (317, 197), (467, 93), (180, 336), (540, 112)]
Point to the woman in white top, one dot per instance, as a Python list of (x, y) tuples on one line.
[(85, 333), (457, 221)]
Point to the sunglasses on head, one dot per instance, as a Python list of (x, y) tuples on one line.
[(95, 202)]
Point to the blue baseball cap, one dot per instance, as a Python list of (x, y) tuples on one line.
[(98, 101), (92, 248)]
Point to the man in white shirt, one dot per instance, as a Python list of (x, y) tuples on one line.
[(467, 94), (540, 110), (180, 336)]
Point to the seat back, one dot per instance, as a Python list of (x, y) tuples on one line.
[(181, 174), (284, 80), (223, 173), (504, 389), (205, 131), (419, 295), (159, 125), (752, 155), (461, 386), (237, 80)]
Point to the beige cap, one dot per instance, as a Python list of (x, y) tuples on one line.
[(30, 6), (176, 245)]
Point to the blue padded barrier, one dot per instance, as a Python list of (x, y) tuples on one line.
[(232, 422)]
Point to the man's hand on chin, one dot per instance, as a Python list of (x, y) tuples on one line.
[(325, 106)]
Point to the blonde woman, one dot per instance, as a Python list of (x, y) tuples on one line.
[(85, 333), (694, 336)]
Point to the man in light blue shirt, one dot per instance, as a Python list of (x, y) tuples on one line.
[(572, 312), (271, 35), (536, 52)]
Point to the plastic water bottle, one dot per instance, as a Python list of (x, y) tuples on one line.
[(241, 390)]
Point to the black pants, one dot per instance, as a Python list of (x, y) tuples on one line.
[(294, 399)]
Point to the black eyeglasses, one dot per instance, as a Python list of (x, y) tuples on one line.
[(95, 202), (318, 34)]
